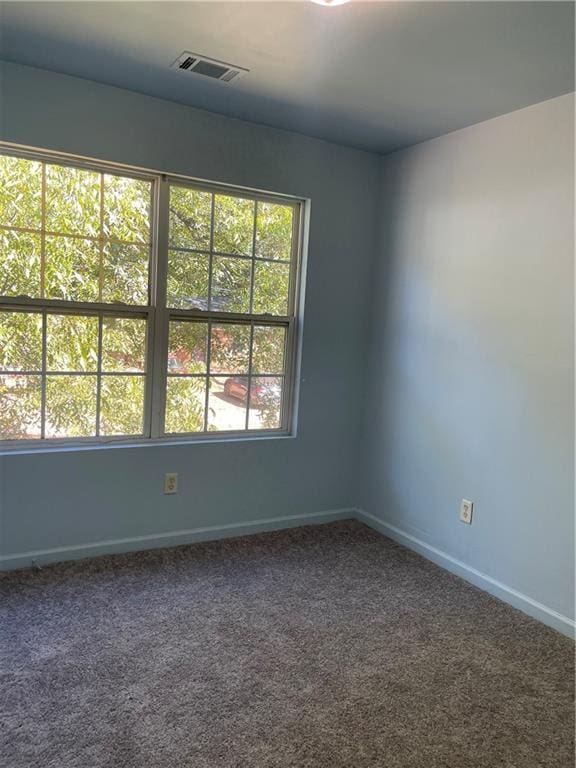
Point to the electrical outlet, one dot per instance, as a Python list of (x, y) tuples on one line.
[(171, 482), (466, 510)]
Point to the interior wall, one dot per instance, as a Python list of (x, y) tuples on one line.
[(470, 382), (74, 498), (452, 351)]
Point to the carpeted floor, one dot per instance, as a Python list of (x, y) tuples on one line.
[(321, 647)]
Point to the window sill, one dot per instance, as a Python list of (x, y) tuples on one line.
[(100, 445)]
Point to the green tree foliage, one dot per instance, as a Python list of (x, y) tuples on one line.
[(20, 396), (230, 284), (238, 225), (265, 402), (190, 218), (188, 280), (268, 349), (274, 231), (122, 405), (230, 349), (19, 263), (271, 283), (95, 247), (233, 225), (185, 404), (186, 397), (20, 192)]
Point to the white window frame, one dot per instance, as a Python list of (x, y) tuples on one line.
[(158, 315)]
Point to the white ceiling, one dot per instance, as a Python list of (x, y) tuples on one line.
[(376, 75)]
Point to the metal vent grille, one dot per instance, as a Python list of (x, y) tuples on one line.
[(195, 64)]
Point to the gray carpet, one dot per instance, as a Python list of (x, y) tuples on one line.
[(321, 647)]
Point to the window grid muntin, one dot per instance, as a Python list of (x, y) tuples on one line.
[(43, 247), (156, 311), (211, 316), (248, 407), (255, 321), (252, 258), (43, 376), (99, 370), (100, 240), (101, 249), (252, 273), (207, 252), (76, 236), (44, 372)]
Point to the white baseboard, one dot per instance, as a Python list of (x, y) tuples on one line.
[(168, 539), (523, 602)]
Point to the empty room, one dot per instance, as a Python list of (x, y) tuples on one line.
[(287, 384)]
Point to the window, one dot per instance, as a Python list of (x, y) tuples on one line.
[(134, 305)]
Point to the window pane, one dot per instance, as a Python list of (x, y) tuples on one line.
[(187, 280), (19, 264), (72, 269), (230, 284), (125, 276), (274, 231), (70, 406), (187, 347), (123, 344), (230, 348), (127, 208), (271, 286), (265, 403), (122, 405), (72, 200), (227, 254), (20, 401), (268, 349), (190, 218), (71, 343), (185, 404), (20, 341), (227, 403), (233, 225), (20, 192)]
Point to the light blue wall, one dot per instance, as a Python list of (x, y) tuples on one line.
[(438, 345), (471, 377), (69, 499)]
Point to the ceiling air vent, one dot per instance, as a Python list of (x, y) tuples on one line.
[(212, 68)]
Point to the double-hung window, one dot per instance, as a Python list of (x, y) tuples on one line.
[(136, 305)]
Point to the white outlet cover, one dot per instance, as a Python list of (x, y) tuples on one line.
[(171, 482), (466, 511)]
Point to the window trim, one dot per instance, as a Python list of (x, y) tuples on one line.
[(158, 315)]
